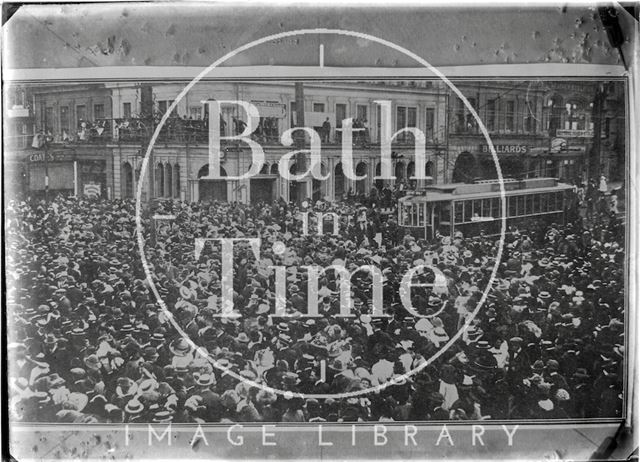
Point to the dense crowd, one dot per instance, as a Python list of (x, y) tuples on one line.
[(88, 341)]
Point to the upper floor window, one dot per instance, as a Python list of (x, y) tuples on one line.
[(510, 114), (464, 121), (98, 111), (81, 114), (64, 118), (195, 112), (126, 110), (362, 112), (48, 119), (491, 115), (577, 116), (430, 120), (405, 117)]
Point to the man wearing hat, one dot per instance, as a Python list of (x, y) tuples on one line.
[(518, 365), (203, 387), (22, 365)]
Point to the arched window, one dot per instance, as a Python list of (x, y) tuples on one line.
[(361, 169), (399, 172), (411, 170), (428, 169), (379, 183), (176, 179), (127, 180), (339, 185), (464, 170), (168, 178), (211, 190), (159, 180)]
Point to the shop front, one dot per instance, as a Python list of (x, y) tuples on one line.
[(477, 162), (67, 173)]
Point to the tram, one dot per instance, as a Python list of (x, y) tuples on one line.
[(476, 207)]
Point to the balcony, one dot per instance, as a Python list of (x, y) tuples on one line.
[(136, 130)]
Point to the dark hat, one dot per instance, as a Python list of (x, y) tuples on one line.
[(581, 374), (553, 365), (55, 380), (92, 362), (538, 366), (150, 353), (484, 362), (180, 347)]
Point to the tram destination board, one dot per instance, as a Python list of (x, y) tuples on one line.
[(240, 231)]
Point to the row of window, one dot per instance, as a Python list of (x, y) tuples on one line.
[(269, 127), (470, 211), (167, 180), (406, 116), (81, 115), (517, 206), (496, 115)]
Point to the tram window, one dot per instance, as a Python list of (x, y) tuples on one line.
[(458, 212), (414, 215), (536, 203), (477, 207), (468, 211), (520, 205), (496, 207), (544, 202), (406, 210), (513, 206), (559, 201), (486, 208), (552, 202), (421, 215), (528, 205), (445, 211)]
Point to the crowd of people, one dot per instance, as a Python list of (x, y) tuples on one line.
[(89, 342)]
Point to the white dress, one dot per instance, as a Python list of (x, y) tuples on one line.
[(603, 185)]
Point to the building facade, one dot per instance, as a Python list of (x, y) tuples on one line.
[(92, 138), (181, 158), (538, 129)]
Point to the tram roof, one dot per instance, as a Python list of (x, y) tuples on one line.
[(461, 191)]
